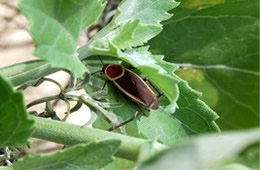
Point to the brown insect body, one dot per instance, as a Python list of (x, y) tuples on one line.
[(131, 84)]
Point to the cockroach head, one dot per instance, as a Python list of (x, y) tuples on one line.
[(104, 67)]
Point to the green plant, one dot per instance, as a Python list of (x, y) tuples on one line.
[(212, 45)]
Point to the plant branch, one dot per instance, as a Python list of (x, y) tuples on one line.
[(24, 72), (69, 134), (42, 100)]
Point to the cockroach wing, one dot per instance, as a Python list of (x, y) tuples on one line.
[(134, 87)]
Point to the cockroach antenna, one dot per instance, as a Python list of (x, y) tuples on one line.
[(100, 60)]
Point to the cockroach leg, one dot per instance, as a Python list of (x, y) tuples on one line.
[(136, 115), (105, 84), (125, 122), (151, 103), (130, 68), (99, 71), (160, 95), (153, 86)]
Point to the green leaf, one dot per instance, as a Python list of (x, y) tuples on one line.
[(161, 126), (155, 69), (218, 51), (132, 26), (134, 23), (203, 152), (192, 116), (234, 166), (250, 156), (195, 116), (56, 27), (119, 163), (159, 72), (82, 156), (215, 8), (15, 125)]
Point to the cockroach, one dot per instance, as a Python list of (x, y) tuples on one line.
[(131, 85)]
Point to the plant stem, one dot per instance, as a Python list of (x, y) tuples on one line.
[(42, 100), (21, 73), (69, 134)]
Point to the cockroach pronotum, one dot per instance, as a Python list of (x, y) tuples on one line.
[(131, 85)]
